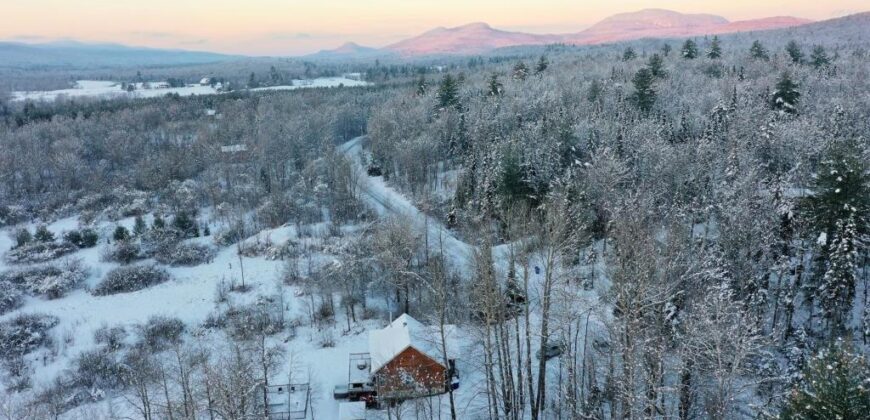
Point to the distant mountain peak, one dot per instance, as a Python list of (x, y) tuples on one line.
[(475, 25), (471, 38)]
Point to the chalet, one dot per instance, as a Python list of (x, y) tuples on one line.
[(206, 81), (407, 359)]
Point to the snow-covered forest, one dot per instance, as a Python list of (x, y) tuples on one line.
[(666, 228)]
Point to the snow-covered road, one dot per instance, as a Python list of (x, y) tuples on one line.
[(386, 201)]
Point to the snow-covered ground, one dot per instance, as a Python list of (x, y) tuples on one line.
[(190, 296), (109, 89)]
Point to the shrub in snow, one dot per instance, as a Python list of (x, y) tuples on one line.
[(123, 252), (10, 296), (247, 322), (130, 279), (158, 239), (264, 248), (119, 203), (10, 215), (43, 234), (185, 254), (232, 234), (39, 252), (162, 331), (85, 238), (25, 333), (111, 337), (52, 281), (97, 369), (22, 237)]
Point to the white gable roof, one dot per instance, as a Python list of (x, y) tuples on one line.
[(404, 332)]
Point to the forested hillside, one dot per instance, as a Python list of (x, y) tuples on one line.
[(654, 229)]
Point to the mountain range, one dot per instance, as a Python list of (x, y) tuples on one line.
[(476, 38), (68, 53)]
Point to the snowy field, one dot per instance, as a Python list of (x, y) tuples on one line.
[(109, 89)]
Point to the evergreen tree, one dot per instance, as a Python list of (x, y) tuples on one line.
[(89, 238), (644, 95), (819, 58), (448, 92), (838, 286), (690, 50), (757, 51), (43, 234), (23, 237), (184, 223), (835, 386), (794, 52), (521, 71), (841, 191), (595, 91), (656, 66), (629, 54), (121, 234), (252, 81), (139, 226), (495, 86), (542, 65), (786, 96), (422, 86), (158, 223), (715, 49)]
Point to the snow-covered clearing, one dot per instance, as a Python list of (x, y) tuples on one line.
[(109, 89)]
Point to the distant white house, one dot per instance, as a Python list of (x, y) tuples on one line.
[(160, 85), (211, 112), (205, 81)]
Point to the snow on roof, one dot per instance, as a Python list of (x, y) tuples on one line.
[(352, 410), (404, 332)]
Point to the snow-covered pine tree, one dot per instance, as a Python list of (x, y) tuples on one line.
[(835, 387), (786, 95), (715, 51), (837, 290), (542, 65), (520, 71), (495, 86), (757, 51), (448, 93), (422, 86), (794, 52), (644, 96), (656, 66), (689, 50), (43, 234), (819, 58)]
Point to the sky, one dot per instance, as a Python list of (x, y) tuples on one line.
[(293, 27)]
